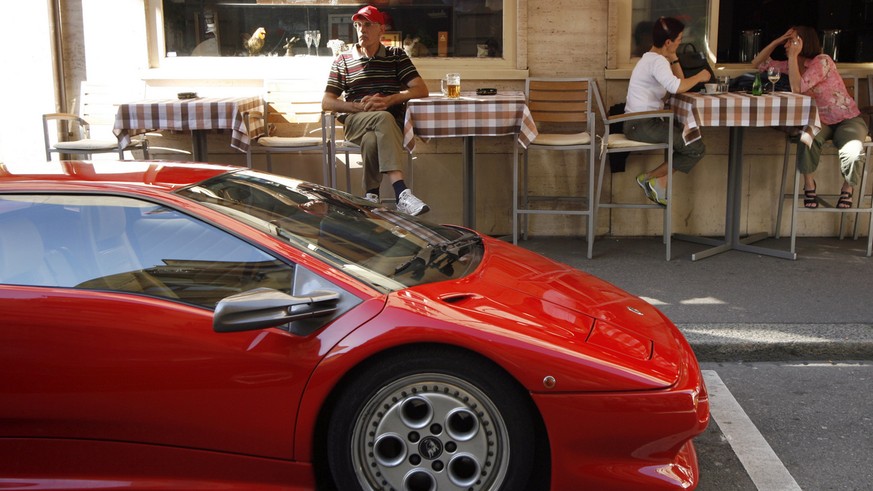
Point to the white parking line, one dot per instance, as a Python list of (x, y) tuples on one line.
[(760, 461)]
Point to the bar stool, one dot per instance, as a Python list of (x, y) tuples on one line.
[(618, 143), (562, 108), (858, 206)]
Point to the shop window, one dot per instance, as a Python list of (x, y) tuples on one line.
[(634, 20), (692, 13), (433, 28), (845, 28)]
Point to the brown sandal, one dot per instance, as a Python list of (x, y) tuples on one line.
[(810, 199), (845, 201)]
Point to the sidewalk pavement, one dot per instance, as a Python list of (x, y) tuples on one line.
[(741, 306)]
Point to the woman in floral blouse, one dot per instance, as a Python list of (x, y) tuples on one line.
[(815, 74)]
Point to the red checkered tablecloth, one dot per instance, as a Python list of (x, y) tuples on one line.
[(202, 113), (436, 117), (741, 109)]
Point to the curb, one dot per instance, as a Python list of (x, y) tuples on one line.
[(779, 342)]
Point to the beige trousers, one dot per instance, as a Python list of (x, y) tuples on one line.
[(381, 144)]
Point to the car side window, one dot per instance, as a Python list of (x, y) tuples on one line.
[(128, 245)]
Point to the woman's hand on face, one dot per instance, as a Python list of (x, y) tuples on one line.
[(794, 46), (789, 34)]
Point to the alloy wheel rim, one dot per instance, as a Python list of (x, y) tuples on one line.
[(430, 431)]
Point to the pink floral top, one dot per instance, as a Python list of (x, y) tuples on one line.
[(823, 83)]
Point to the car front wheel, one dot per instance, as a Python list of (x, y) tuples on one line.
[(436, 420)]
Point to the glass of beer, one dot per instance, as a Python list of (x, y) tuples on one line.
[(451, 85)]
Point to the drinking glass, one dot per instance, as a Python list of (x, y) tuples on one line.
[(450, 85), (307, 36), (773, 76), (724, 83), (316, 38)]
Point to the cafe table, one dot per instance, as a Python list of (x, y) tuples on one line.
[(197, 115), (471, 115), (738, 111)]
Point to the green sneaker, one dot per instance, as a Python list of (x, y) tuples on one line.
[(641, 180), (656, 192)]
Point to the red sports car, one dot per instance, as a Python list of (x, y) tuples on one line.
[(195, 326)]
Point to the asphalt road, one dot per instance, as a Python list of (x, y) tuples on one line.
[(797, 425)]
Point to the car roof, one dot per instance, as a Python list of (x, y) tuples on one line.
[(166, 176)]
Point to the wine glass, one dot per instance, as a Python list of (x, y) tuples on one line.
[(316, 38), (773, 76), (307, 36)]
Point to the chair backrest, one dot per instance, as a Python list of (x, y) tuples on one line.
[(293, 107), (561, 105), (98, 103)]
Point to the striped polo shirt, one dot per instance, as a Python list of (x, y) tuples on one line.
[(357, 76)]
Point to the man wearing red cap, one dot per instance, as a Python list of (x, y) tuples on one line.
[(376, 82)]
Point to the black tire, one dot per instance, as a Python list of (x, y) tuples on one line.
[(428, 419)]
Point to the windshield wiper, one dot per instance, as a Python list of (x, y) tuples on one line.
[(440, 256)]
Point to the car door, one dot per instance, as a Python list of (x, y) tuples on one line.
[(107, 329)]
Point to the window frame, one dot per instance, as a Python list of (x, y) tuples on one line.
[(512, 66)]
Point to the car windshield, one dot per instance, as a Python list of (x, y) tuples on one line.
[(379, 246)]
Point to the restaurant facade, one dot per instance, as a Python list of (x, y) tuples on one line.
[(203, 46)]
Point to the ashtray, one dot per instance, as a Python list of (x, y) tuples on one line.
[(187, 95), (486, 91)]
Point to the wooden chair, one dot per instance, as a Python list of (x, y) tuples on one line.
[(824, 205), (294, 123), (564, 113), (616, 142), (98, 104)]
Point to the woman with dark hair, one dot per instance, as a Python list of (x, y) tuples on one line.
[(815, 74), (657, 73)]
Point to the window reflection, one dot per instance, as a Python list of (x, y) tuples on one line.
[(467, 28), (692, 13)]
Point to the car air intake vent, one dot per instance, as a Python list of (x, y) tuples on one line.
[(457, 298)]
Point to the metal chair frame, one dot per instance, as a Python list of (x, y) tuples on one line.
[(98, 105), (559, 102), (824, 206), (618, 143)]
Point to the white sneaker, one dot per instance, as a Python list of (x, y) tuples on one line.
[(372, 197), (408, 203)]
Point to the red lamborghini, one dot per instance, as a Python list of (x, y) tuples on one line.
[(194, 326)]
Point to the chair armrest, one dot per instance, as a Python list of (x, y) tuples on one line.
[(64, 117), (618, 118), (250, 115)]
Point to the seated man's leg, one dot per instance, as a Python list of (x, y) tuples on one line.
[(387, 157), (372, 178)]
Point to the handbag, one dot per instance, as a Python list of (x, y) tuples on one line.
[(692, 63)]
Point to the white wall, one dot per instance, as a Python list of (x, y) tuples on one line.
[(115, 39), (27, 87)]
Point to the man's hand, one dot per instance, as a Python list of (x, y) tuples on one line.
[(376, 102)]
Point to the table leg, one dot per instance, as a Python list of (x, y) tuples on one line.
[(469, 182), (733, 210), (198, 145)]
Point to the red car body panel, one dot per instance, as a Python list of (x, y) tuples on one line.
[(626, 401)]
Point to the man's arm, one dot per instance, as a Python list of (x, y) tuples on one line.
[(415, 89), (332, 102)]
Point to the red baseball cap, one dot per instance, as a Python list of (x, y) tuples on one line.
[(371, 14)]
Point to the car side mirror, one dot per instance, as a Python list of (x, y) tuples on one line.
[(265, 307)]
